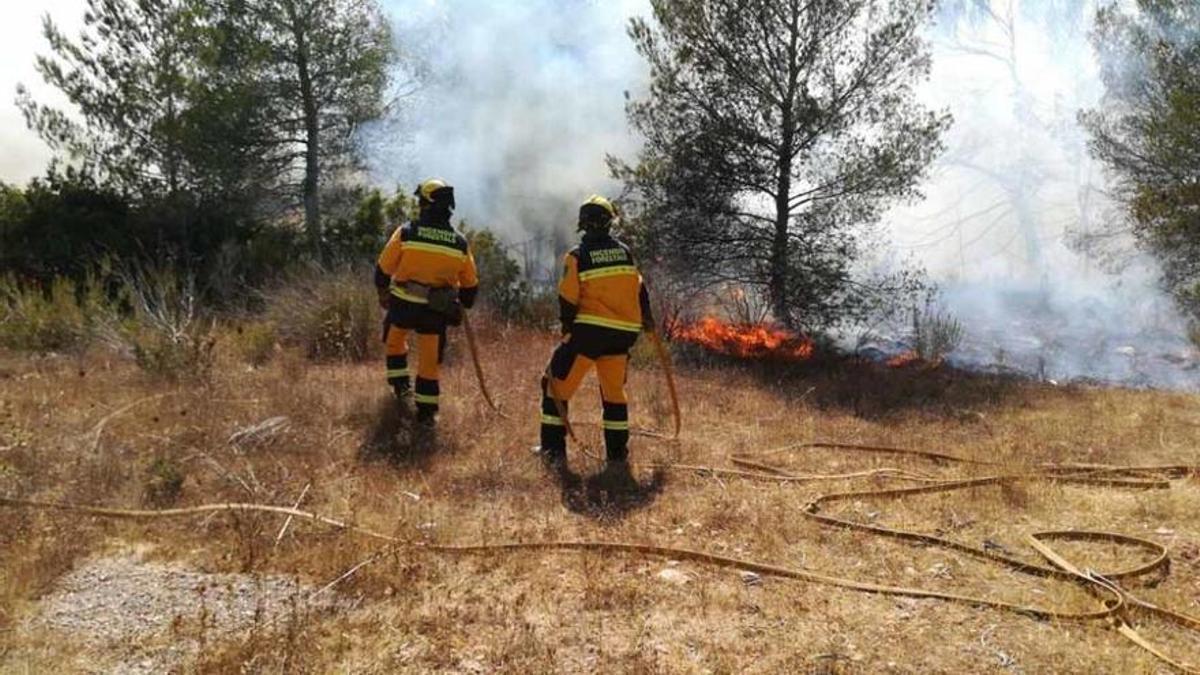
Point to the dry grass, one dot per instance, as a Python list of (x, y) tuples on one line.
[(476, 482)]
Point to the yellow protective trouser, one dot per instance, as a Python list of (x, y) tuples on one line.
[(428, 356), (611, 371)]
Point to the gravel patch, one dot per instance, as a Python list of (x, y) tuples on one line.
[(153, 617)]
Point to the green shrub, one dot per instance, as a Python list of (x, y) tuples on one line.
[(362, 220), (151, 315), (186, 357), (164, 482), (359, 234), (504, 290), (162, 327), (60, 317), (331, 315), (57, 224), (935, 333), (503, 287), (256, 342), (540, 310)]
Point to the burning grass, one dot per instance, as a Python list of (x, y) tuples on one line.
[(476, 482), (904, 360), (746, 341)]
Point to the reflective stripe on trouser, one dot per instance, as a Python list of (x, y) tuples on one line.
[(396, 341), (426, 393), (568, 370), (554, 432), (611, 371), (616, 430)]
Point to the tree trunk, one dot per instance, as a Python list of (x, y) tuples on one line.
[(778, 282), (312, 146)]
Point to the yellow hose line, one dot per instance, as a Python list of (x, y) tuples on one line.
[(668, 552), (665, 359), (470, 333)]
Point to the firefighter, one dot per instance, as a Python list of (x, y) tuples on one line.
[(604, 307), (425, 278)]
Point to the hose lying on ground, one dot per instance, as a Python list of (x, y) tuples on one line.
[(1116, 605)]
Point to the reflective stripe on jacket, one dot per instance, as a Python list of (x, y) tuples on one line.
[(430, 254), (601, 286)]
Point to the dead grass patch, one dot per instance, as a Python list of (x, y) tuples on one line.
[(570, 612)]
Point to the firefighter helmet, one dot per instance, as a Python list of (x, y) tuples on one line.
[(597, 213), (435, 191)]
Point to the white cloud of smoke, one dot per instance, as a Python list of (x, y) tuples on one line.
[(1013, 195), (524, 99), (521, 103)]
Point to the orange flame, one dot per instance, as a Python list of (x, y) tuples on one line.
[(746, 341), (911, 358), (902, 360)]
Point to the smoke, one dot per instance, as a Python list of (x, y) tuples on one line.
[(521, 101), (519, 104), (1015, 195)]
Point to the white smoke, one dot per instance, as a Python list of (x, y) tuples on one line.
[(524, 99), (1014, 194), (520, 105)]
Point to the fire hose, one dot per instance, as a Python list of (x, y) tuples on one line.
[(665, 360), (471, 346), (1116, 605)]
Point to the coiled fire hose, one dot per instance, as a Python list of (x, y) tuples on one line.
[(1116, 605)]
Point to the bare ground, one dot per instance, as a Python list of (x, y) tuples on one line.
[(127, 613)]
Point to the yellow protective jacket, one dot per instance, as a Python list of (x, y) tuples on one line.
[(431, 254), (601, 286)]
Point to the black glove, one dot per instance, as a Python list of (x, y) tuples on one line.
[(648, 324), (566, 314), (467, 296)]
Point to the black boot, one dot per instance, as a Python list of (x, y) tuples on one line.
[(403, 393), (616, 478), (426, 417), (554, 459), (616, 453), (616, 475)]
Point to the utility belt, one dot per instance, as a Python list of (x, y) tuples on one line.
[(443, 300)]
